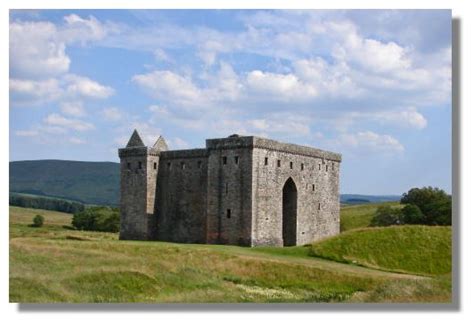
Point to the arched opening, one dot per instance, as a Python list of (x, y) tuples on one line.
[(290, 203)]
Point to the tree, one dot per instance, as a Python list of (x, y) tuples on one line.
[(433, 203), (412, 215), (38, 221), (387, 216), (98, 219)]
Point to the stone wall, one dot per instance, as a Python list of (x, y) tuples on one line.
[(229, 206), (181, 196), (317, 183)]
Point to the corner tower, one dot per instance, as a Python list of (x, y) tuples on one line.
[(138, 175)]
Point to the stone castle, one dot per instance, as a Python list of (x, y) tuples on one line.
[(240, 190)]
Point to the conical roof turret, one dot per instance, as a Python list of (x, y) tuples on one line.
[(135, 140)]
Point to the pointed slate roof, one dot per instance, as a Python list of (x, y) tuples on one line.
[(135, 140), (160, 144)]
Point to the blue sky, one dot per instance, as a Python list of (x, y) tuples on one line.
[(374, 85)]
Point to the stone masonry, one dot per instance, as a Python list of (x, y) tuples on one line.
[(240, 190)]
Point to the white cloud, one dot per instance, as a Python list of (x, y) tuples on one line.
[(61, 121), (27, 133), (112, 114), (369, 142), (167, 84), (73, 108), (34, 91), (178, 143), (75, 140), (406, 118), (83, 86)]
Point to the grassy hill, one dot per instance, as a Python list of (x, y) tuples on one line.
[(56, 264), (413, 249), (359, 216), (86, 182)]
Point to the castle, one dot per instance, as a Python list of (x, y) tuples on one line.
[(239, 190)]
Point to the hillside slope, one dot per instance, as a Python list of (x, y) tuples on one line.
[(412, 249), (57, 264), (87, 182)]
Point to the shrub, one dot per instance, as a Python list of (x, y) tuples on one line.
[(38, 221), (97, 219), (387, 216), (412, 215)]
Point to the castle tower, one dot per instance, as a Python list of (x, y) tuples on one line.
[(138, 175)]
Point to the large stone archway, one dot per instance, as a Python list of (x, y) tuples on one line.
[(289, 212)]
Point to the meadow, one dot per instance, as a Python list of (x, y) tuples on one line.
[(55, 263)]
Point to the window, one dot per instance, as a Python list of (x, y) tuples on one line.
[(332, 166), (169, 165), (224, 160), (199, 164), (236, 159), (313, 187), (302, 166), (279, 163), (154, 165), (228, 214), (139, 165), (183, 165), (129, 166), (291, 165), (266, 161), (327, 167), (319, 206), (319, 166)]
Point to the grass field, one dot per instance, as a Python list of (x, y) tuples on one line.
[(56, 264), (360, 215)]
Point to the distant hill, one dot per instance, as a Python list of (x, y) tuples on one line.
[(97, 182), (86, 182)]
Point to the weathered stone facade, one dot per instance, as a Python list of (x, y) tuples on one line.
[(240, 190)]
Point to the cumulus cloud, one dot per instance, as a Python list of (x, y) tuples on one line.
[(368, 142), (61, 121), (73, 108), (85, 87)]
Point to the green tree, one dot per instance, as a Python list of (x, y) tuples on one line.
[(98, 219), (412, 215), (387, 216), (38, 221), (433, 203)]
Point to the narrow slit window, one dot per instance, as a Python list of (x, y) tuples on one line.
[(154, 165), (291, 165), (279, 163), (224, 160), (327, 167), (302, 166), (266, 161), (332, 166), (169, 165), (319, 206), (139, 165), (319, 166), (129, 166), (313, 187), (199, 164), (228, 213), (236, 159)]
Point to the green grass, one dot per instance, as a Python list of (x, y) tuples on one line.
[(359, 216), (412, 249), (56, 264)]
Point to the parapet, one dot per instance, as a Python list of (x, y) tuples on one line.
[(235, 142)]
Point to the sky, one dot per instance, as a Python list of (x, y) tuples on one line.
[(373, 85)]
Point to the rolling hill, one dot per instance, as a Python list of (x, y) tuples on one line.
[(97, 182), (86, 182)]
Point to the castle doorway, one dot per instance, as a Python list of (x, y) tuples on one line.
[(290, 204)]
